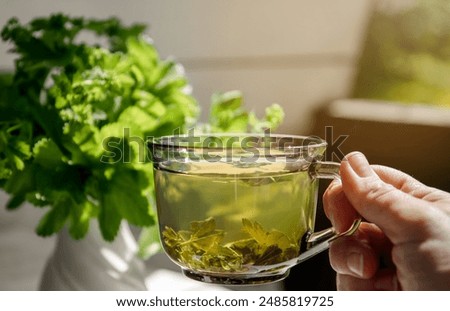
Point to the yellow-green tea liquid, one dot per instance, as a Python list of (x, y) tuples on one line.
[(276, 199)]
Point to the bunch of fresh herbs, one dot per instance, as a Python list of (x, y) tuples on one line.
[(74, 118)]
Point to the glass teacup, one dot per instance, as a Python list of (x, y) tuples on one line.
[(240, 208)]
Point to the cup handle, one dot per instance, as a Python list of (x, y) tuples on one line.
[(316, 242)]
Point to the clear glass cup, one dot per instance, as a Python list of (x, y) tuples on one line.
[(240, 208)]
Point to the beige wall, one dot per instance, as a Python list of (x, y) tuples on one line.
[(295, 52)]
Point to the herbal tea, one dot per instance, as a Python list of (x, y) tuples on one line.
[(233, 217), (240, 208)]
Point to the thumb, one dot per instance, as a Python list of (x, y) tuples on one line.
[(399, 214)]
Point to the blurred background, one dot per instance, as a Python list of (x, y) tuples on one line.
[(366, 75)]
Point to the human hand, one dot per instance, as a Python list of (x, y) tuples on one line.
[(405, 243)]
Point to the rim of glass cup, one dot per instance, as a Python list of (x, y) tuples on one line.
[(306, 142)]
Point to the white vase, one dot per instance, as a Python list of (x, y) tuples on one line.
[(93, 264)]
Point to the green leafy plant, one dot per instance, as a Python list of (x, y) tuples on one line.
[(74, 117), (228, 115), (202, 247)]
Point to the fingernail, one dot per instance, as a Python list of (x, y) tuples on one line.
[(386, 282), (355, 263), (335, 182), (359, 164)]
